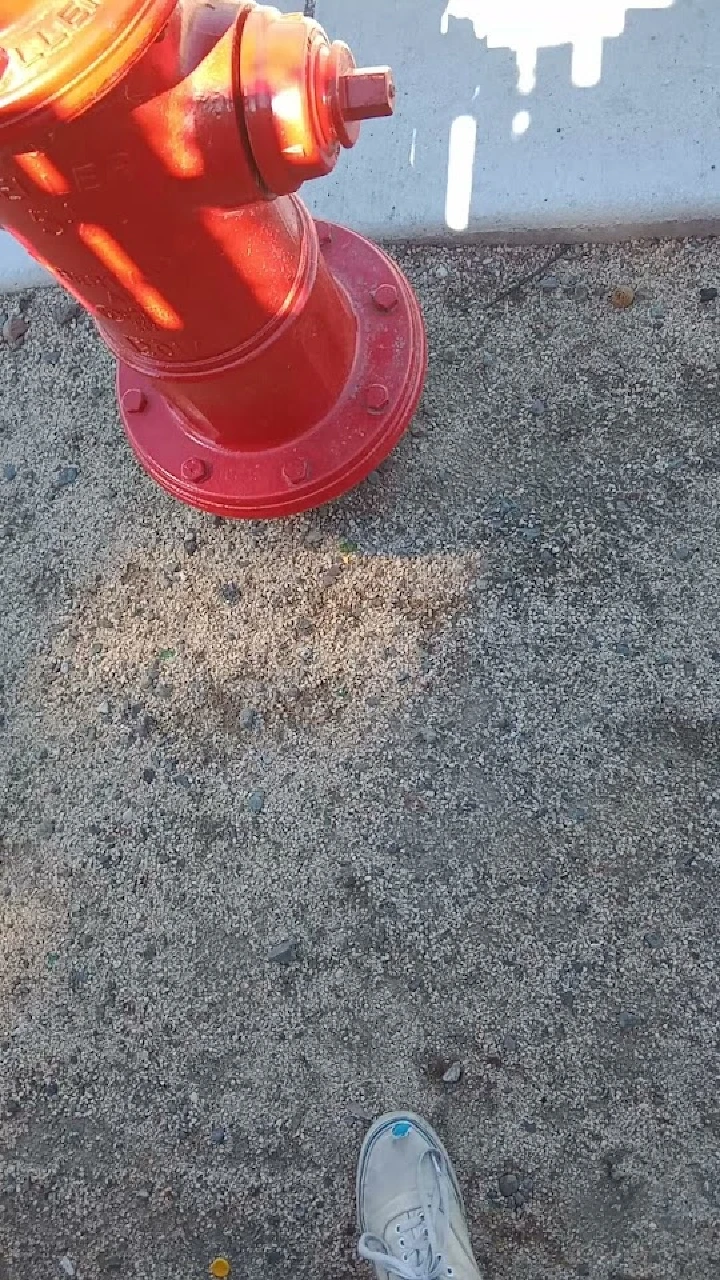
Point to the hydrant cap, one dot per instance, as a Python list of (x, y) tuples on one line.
[(59, 56), (303, 97)]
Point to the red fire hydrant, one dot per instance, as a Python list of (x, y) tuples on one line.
[(148, 152)]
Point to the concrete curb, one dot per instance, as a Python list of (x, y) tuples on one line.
[(523, 122)]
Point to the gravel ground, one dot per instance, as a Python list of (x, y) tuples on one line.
[(295, 817)]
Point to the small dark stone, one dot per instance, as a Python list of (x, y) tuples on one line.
[(66, 312), (230, 592), (78, 978), (681, 552), (146, 727), (285, 952), (537, 407), (654, 940), (529, 1126), (256, 802), (112, 1262), (51, 1088), (9, 471), (66, 476), (583, 1269), (578, 813), (148, 775), (628, 1021), (508, 1185), (519, 1199), (708, 293), (150, 951), (550, 284), (218, 1136)]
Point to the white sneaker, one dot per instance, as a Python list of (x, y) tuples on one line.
[(410, 1210)]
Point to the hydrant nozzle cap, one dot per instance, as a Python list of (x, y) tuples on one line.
[(303, 98)]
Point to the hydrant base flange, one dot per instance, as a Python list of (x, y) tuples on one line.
[(321, 461)]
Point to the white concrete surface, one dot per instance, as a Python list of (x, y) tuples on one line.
[(524, 119)]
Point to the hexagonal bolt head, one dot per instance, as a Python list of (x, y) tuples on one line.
[(367, 93), (295, 470), (376, 397), (134, 400), (385, 297), (194, 470)]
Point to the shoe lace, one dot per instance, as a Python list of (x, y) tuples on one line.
[(422, 1237)]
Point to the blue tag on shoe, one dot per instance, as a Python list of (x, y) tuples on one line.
[(401, 1129)]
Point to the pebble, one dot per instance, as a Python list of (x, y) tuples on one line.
[(331, 575), (654, 940), (537, 407), (247, 718), (550, 284), (14, 330), (66, 476), (218, 1136), (628, 1021), (356, 1111), (190, 544), (230, 592), (453, 1075), (68, 311), (103, 708), (508, 1185), (314, 538), (657, 311), (284, 952), (256, 801), (708, 293), (681, 552), (622, 297), (148, 775), (581, 292), (66, 1266), (519, 1199), (9, 471), (442, 272)]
